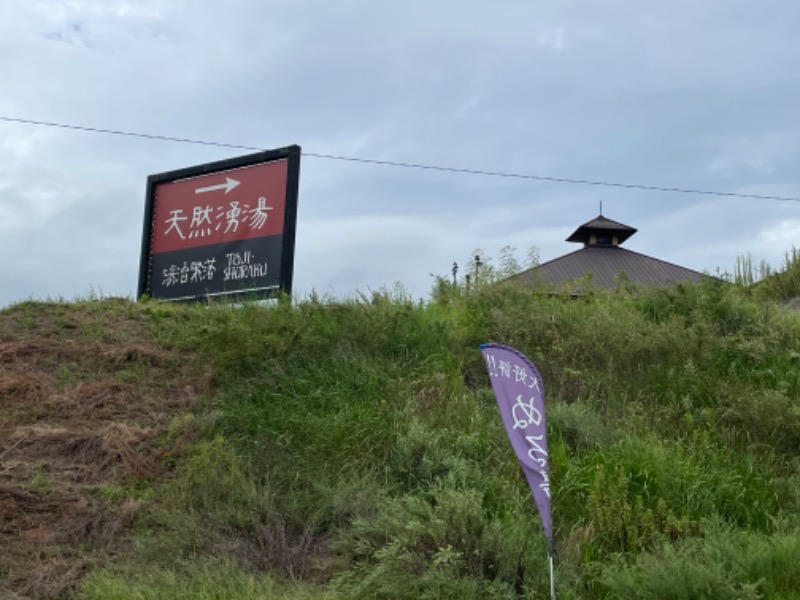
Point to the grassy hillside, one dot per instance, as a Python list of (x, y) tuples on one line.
[(334, 449)]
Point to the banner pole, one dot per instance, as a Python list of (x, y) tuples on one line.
[(552, 580)]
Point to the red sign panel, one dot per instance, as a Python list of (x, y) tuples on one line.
[(222, 207)]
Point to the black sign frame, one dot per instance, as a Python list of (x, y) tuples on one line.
[(292, 156)]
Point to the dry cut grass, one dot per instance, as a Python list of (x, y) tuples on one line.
[(85, 392)]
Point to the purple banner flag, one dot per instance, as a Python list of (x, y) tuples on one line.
[(520, 396)]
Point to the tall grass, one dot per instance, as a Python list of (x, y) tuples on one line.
[(209, 581), (726, 564), (357, 446)]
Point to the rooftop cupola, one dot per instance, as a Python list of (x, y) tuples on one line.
[(601, 231)]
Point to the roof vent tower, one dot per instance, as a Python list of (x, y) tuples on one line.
[(601, 232)]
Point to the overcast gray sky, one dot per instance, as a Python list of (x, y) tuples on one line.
[(681, 94)]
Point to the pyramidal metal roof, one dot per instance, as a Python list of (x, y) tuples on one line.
[(606, 262)]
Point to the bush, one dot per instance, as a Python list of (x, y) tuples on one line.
[(725, 564), (441, 544)]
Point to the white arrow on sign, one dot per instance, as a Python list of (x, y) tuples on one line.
[(227, 186)]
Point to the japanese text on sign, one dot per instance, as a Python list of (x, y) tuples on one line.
[(526, 415), (240, 265), (207, 219)]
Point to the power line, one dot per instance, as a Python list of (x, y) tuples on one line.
[(390, 163), (128, 133)]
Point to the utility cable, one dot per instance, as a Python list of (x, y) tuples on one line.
[(406, 165)]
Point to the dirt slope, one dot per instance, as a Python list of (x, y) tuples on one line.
[(86, 397)]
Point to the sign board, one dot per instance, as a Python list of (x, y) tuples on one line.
[(225, 228)]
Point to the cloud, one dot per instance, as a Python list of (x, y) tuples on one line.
[(679, 95)]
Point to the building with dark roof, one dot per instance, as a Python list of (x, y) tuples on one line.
[(609, 264)]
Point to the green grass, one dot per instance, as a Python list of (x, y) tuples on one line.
[(352, 449), (366, 427), (726, 564), (193, 581)]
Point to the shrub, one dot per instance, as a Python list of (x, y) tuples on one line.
[(725, 564)]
